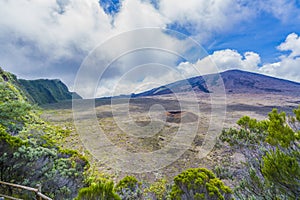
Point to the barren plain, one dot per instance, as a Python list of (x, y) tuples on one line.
[(150, 124)]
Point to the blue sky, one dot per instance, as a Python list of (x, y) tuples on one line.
[(262, 34), (51, 39)]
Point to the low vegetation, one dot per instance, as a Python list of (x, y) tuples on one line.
[(271, 146), (200, 183), (30, 150)]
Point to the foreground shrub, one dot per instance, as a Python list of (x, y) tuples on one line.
[(129, 188), (102, 190), (158, 190), (199, 183), (271, 147)]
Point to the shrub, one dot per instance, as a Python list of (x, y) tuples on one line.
[(271, 146), (158, 190), (129, 188), (102, 190), (199, 183), (29, 148)]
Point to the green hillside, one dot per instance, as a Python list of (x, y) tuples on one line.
[(44, 91), (41, 91), (30, 148)]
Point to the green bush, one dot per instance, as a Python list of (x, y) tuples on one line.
[(129, 188), (271, 146), (282, 170), (30, 152), (158, 190), (250, 133), (199, 183), (223, 172), (279, 132), (102, 190)]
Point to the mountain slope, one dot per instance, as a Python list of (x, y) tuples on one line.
[(196, 83), (41, 91), (44, 91), (11, 78), (31, 149), (235, 81)]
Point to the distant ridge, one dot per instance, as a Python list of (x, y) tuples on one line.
[(235, 82), (45, 91), (41, 91)]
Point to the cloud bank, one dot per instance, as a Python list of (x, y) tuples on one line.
[(51, 38)]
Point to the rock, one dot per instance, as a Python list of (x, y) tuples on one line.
[(238, 158), (161, 138), (178, 116)]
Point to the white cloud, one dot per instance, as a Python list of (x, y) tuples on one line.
[(51, 38), (139, 79), (222, 60), (288, 67), (45, 38), (52, 30), (284, 10), (292, 43), (205, 17), (63, 29), (136, 14), (120, 57)]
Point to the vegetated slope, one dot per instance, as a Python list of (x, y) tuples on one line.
[(31, 149), (11, 78), (41, 91), (235, 81), (44, 91)]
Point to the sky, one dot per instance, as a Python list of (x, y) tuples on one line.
[(57, 38)]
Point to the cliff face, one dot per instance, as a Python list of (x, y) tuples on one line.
[(41, 91), (45, 91)]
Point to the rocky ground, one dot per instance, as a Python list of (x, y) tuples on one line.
[(137, 132)]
